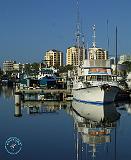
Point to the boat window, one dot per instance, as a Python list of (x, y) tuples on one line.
[(104, 78), (114, 78), (88, 78), (109, 78), (99, 78), (93, 78)]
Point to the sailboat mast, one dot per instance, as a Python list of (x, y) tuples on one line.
[(116, 54), (78, 33)]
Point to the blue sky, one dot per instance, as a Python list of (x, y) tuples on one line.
[(28, 28)]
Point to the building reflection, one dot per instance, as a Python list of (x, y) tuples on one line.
[(42, 107), (93, 125)]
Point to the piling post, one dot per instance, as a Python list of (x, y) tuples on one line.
[(64, 96), (17, 104), (61, 96)]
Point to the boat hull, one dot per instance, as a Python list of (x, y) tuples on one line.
[(95, 95), (96, 113), (129, 84)]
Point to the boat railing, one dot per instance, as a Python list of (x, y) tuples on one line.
[(100, 83)]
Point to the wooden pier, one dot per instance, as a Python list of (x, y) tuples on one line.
[(24, 96), (40, 90), (37, 94)]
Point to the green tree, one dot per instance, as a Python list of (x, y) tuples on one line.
[(8, 74), (1, 73), (64, 69), (35, 66), (128, 65), (27, 68)]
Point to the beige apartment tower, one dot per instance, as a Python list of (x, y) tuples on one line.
[(72, 55), (98, 53), (53, 58), (8, 66)]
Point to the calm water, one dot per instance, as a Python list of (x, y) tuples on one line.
[(65, 131)]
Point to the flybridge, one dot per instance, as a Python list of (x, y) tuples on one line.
[(96, 63), (96, 67)]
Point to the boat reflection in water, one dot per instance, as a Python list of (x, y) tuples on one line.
[(93, 125)]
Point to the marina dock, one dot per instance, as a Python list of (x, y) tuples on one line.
[(41, 94), (40, 90)]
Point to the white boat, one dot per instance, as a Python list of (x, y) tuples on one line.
[(129, 80), (95, 85), (46, 72), (94, 82)]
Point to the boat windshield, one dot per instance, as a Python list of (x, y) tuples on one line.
[(99, 78)]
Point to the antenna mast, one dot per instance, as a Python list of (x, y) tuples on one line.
[(107, 36), (78, 33), (116, 54), (94, 36), (84, 56), (82, 35)]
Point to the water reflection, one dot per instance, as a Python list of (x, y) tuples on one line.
[(125, 107), (68, 131), (6, 92), (39, 107), (43, 107), (93, 125)]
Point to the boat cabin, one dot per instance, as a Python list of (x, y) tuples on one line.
[(97, 70)]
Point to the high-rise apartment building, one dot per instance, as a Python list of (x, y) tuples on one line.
[(72, 55), (98, 53), (54, 58), (11, 66), (8, 66)]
